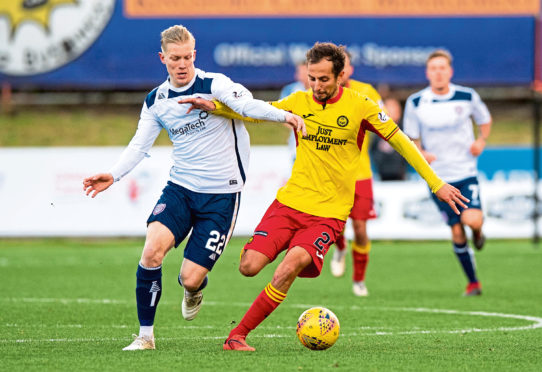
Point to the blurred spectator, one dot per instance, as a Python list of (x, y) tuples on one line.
[(388, 163)]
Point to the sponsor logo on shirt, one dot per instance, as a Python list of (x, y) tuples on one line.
[(233, 182), (324, 139), (382, 116), (189, 129), (307, 116)]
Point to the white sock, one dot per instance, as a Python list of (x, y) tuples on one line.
[(146, 331)]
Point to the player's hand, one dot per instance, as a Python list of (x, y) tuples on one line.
[(97, 183), (198, 104), (452, 196), (478, 146), (429, 157), (296, 122)]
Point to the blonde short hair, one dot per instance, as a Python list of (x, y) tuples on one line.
[(440, 53), (176, 34)]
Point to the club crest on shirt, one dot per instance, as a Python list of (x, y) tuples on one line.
[(382, 116), (159, 208), (342, 121)]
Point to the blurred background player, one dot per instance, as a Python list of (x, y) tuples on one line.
[(363, 208), (439, 120), (388, 163), (203, 198)]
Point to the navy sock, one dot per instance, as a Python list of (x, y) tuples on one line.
[(465, 255), (203, 284), (148, 292)]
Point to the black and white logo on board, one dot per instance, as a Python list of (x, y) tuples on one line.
[(38, 36)]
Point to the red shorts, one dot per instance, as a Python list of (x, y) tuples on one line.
[(283, 228), (363, 208)]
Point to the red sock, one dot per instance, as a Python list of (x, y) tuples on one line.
[(360, 265), (266, 302)]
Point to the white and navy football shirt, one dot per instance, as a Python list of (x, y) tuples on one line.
[(210, 152), (443, 123)]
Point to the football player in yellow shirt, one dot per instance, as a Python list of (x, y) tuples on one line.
[(311, 209), (363, 208)]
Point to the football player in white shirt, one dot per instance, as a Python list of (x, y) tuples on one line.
[(210, 156), (439, 120)]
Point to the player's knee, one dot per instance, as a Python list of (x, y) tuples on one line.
[(191, 284), (152, 256), (247, 268), (474, 222)]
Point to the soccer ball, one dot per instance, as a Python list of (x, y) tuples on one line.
[(318, 328)]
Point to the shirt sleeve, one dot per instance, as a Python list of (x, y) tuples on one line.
[(480, 113), (240, 100), (404, 146), (411, 125), (148, 129), (286, 104), (377, 121)]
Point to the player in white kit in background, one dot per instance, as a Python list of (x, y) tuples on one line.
[(439, 120), (210, 158)]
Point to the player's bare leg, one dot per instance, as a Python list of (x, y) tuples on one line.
[(361, 246), (193, 278), (270, 298), (474, 218), (149, 282), (252, 262), (337, 264)]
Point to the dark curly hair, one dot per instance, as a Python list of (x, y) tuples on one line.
[(329, 51)]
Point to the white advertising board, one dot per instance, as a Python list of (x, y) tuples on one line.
[(41, 194)]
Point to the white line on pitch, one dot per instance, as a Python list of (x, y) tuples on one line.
[(537, 321)]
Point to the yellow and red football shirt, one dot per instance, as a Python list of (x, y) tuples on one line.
[(328, 159)]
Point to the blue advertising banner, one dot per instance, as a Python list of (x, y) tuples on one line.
[(92, 44)]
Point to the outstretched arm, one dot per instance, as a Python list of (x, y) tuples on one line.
[(147, 131), (221, 109)]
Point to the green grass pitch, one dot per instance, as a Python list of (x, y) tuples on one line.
[(70, 305)]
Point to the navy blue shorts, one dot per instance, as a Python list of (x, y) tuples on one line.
[(469, 188), (210, 216)]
